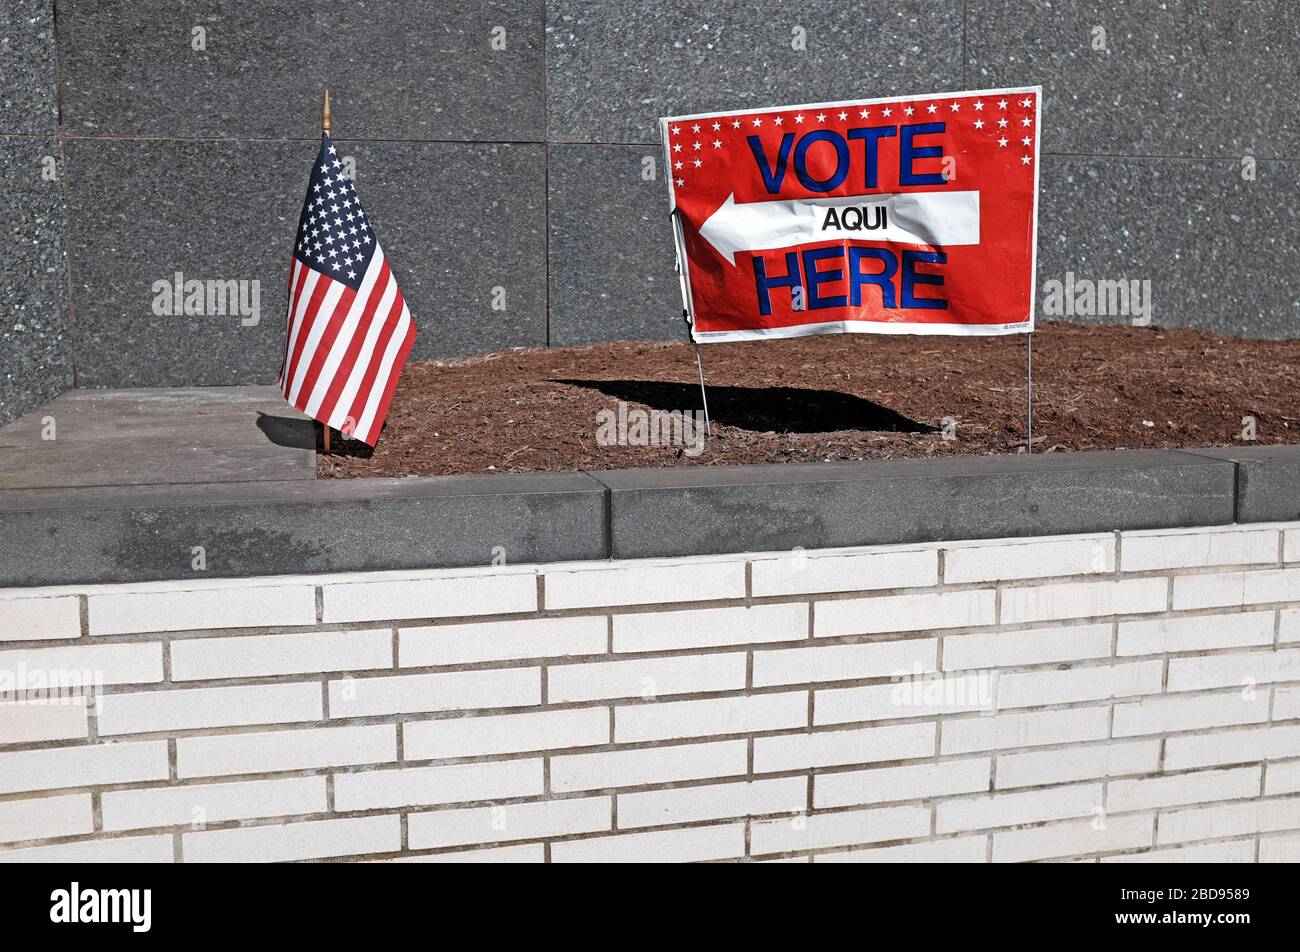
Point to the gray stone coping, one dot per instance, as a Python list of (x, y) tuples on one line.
[(82, 535)]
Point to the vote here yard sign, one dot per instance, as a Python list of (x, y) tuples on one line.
[(911, 215)]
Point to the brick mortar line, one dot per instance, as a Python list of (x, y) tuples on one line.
[(1049, 624), (331, 771), (1011, 826), (712, 823), (811, 600), (1053, 667), (1155, 811), (741, 599), (396, 720)]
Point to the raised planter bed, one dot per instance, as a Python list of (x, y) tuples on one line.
[(848, 397), (270, 527)]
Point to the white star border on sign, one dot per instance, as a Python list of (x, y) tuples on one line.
[(968, 110)]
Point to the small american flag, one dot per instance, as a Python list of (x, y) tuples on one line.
[(349, 330)]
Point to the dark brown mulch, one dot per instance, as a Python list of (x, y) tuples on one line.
[(836, 398)]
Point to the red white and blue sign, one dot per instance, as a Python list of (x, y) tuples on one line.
[(909, 215)]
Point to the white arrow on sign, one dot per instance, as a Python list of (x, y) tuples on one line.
[(915, 218)]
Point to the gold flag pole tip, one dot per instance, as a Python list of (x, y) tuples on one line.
[(325, 114)]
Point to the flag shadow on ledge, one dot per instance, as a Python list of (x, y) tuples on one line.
[(763, 409), (306, 435)]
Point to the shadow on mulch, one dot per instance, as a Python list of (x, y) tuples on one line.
[(763, 409), (837, 397)]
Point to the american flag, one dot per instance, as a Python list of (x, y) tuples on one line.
[(349, 330)]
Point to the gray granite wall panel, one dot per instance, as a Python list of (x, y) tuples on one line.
[(397, 69), (35, 350), (457, 220), (614, 67), (1199, 78), (499, 146)]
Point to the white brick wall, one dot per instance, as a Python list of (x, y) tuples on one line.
[(867, 616), (1130, 697), (1236, 589), (180, 610), (1195, 633), (710, 627), (847, 828), (805, 574), (502, 641), (45, 817), (823, 662), (505, 733), (1023, 558), (1282, 778), (514, 821), (431, 597), (646, 677), (653, 765), (1035, 768), (129, 849), (200, 659), (884, 784), (449, 691), (1197, 787), (1090, 683), (24, 723), (691, 845), (1158, 715), (963, 815), (667, 720), (1001, 731), (1051, 602), (318, 839), (651, 583), (1194, 548), (138, 663), (456, 783), (273, 751), (201, 804), (56, 768), (1006, 649), (1234, 747), (956, 849), (1074, 838), (155, 712), (31, 619), (714, 801), (838, 747)]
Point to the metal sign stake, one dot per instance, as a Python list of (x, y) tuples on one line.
[(686, 316), (1029, 445)]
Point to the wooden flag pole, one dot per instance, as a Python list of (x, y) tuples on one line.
[(325, 128)]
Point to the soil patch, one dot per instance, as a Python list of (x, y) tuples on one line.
[(842, 397)]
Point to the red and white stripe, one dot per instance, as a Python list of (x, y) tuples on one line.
[(345, 348)]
